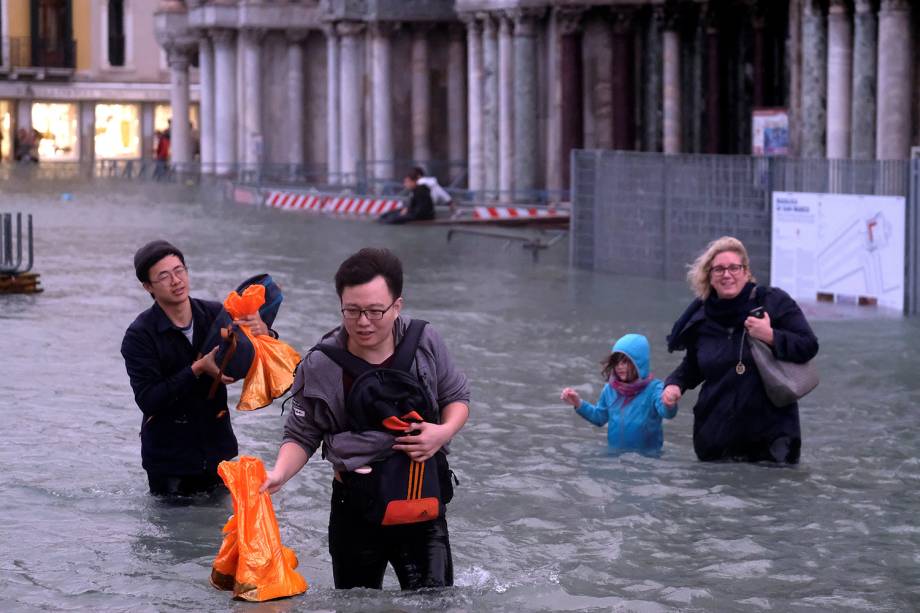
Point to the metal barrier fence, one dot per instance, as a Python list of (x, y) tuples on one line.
[(152, 170), (650, 214)]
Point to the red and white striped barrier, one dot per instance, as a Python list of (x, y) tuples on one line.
[(336, 205), (360, 206), (515, 212)]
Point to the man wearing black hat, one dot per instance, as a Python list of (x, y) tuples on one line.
[(184, 434)]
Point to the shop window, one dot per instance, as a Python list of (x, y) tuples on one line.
[(54, 126), (118, 131), (116, 27)]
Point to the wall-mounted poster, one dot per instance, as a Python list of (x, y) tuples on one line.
[(840, 247), (770, 132)]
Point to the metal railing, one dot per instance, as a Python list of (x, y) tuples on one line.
[(28, 52), (301, 176), (11, 243)]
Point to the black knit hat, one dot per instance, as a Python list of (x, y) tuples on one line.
[(150, 254)]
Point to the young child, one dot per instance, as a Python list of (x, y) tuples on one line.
[(630, 403)]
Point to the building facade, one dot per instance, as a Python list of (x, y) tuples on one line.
[(494, 93), (87, 78)]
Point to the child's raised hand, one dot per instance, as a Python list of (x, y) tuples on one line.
[(670, 395), (571, 396)]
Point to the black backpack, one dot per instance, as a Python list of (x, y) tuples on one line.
[(398, 490)]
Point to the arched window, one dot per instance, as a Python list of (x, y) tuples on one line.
[(116, 25)]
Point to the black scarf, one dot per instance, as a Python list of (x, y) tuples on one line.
[(730, 312)]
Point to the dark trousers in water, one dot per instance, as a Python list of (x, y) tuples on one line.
[(419, 553), (183, 485)]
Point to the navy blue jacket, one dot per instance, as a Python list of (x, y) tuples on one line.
[(182, 432), (733, 418)]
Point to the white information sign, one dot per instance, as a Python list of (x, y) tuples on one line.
[(847, 247)]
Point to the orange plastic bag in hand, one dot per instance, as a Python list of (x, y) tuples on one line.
[(252, 561), (272, 370)]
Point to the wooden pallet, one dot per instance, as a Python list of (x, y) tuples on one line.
[(27, 283)]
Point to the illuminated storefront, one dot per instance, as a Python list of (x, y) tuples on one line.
[(162, 115), (118, 131), (6, 131), (56, 124)]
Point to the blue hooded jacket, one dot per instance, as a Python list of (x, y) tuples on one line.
[(637, 426)]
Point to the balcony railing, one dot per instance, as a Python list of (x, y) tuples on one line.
[(28, 52)]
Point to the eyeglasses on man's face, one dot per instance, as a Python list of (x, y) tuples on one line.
[(371, 314), (733, 269), (179, 272)]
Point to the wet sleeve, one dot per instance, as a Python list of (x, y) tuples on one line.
[(301, 425), (687, 375), (793, 338), (661, 408), (155, 391), (598, 414), (452, 384)]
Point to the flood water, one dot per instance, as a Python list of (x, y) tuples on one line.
[(544, 518)]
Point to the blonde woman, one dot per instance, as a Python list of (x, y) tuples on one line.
[(733, 418)]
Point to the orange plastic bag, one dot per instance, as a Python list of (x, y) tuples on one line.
[(252, 561), (272, 370)]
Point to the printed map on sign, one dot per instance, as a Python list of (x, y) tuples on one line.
[(846, 246)]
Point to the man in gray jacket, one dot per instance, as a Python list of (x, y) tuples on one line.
[(369, 285)]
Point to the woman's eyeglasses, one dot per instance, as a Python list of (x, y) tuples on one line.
[(733, 269)]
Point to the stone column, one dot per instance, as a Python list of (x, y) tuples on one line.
[(758, 20), (505, 107), (794, 68), (713, 83), (572, 83), (382, 100), (623, 81), (87, 133), (597, 44), (180, 144), (839, 80), (865, 47), (252, 71), (653, 73), (525, 102), (456, 100), (895, 49), (671, 121), (206, 117), (224, 100), (474, 104), (294, 130), (351, 98), (148, 130), (333, 130), (490, 95), (421, 96), (814, 79)]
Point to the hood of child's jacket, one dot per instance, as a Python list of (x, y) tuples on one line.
[(636, 347)]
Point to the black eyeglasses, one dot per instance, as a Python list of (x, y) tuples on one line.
[(733, 269), (371, 314)]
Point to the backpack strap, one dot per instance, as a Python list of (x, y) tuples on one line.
[(405, 351), (402, 357), (351, 364)]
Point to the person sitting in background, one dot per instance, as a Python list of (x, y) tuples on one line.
[(420, 206), (439, 195)]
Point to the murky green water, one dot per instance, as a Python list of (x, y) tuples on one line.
[(544, 518)]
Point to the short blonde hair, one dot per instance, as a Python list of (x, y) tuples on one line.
[(698, 273)]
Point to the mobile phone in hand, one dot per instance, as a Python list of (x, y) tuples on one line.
[(757, 312)]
